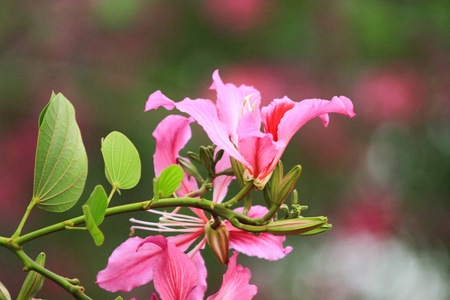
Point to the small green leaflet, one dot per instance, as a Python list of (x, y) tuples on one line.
[(95, 232), (98, 202), (169, 181), (122, 162), (61, 161)]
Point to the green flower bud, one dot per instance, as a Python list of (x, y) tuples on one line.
[(219, 241), (206, 155), (34, 281), (325, 227), (295, 226), (286, 185), (189, 168), (194, 157), (4, 294), (239, 170)]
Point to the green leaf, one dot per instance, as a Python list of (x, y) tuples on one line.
[(95, 232), (61, 161), (34, 281), (122, 162), (41, 116), (4, 294), (98, 202), (169, 180)]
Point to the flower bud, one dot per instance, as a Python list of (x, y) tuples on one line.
[(239, 170), (286, 185), (295, 226), (194, 157), (4, 294), (206, 155), (219, 241), (325, 227), (189, 168), (34, 281)]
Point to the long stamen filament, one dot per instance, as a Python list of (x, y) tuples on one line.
[(174, 224), (162, 229), (174, 215), (197, 248)]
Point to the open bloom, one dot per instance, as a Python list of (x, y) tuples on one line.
[(233, 122), (176, 276), (128, 268)]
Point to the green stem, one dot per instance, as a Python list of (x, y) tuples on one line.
[(247, 204), (114, 189), (207, 205), (246, 227), (269, 214), (29, 265), (203, 189), (24, 219), (245, 190)]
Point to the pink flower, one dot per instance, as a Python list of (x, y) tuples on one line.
[(235, 283), (233, 122), (128, 268), (177, 276)]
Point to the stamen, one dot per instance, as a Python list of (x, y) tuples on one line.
[(161, 229), (247, 103), (174, 224), (174, 216), (197, 248)]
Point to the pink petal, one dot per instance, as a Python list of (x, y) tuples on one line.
[(259, 152), (222, 182), (175, 274), (248, 126), (128, 268), (154, 297), (306, 110), (265, 245), (158, 99), (200, 289), (230, 102), (272, 115), (235, 283), (205, 113), (171, 135), (183, 241)]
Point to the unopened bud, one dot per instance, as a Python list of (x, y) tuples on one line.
[(34, 281), (323, 228), (219, 241), (218, 155), (189, 168), (4, 294), (206, 157), (277, 175), (194, 157), (238, 169), (287, 184), (295, 226)]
